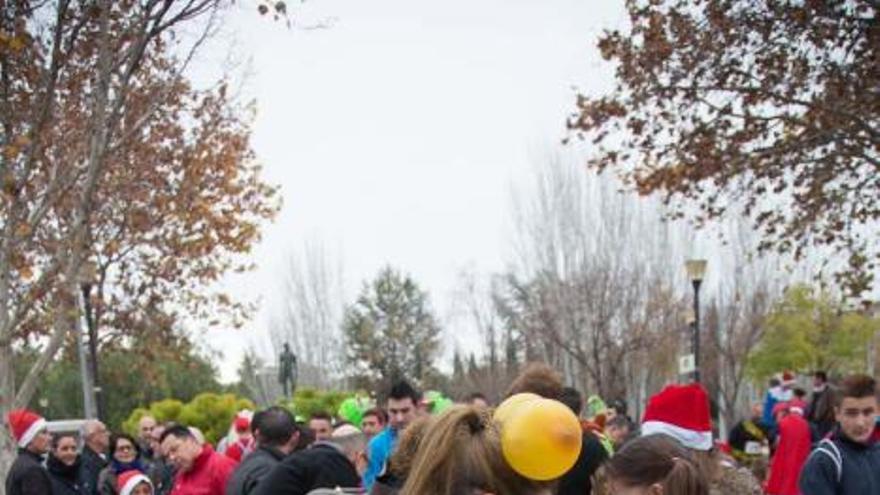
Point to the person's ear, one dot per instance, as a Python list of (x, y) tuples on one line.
[(655, 489)]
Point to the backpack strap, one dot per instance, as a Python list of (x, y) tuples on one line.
[(828, 448)]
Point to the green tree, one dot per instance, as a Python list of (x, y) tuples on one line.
[(308, 401), (209, 412), (130, 375), (767, 105), (391, 332), (808, 331)]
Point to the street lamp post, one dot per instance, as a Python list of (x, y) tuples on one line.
[(696, 269), (89, 406), (88, 275)]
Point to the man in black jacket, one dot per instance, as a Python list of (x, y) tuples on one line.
[(336, 463), (579, 479), (27, 476), (848, 462), (96, 438), (277, 437)]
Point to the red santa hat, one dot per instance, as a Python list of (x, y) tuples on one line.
[(129, 480), (682, 412), (25, 425), (781, 407), (797, 406), (242, 423)]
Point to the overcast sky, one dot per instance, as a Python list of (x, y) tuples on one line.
[(396, 134)]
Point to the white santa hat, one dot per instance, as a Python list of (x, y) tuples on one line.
[(130, 479), (682, 412), (25, 425)]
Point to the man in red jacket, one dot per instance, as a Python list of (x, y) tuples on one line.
[(200, 470), (792, 450)]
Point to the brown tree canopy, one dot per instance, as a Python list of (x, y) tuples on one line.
[(177, 196), (110, 158), (771, 109)]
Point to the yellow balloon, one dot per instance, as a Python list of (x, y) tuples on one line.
[(511, 404), (541, 440)]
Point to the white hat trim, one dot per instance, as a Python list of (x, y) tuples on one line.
[(692, 439), (133, 482), (36, 427)]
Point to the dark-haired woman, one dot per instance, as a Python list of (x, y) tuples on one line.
[(655, 465), (63, 465), (125, 456)]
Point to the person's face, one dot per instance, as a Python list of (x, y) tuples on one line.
[(42, 442), (757, 410), (65, 450), (321, 429), (245, 435), (857, 417), (125, 451), (145, 427), (181, 452), (616, 434), (142, 489), (618, 488), (401, 412), (99, 437), (371, 426), (155, 443), (818, 381)]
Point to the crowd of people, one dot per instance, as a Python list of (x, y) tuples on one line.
[(794, 443)]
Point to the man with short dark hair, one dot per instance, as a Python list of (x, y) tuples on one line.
[(334, 463), (321, 424), (373, 422), (848, 462), (403, 402), (277, 435), (96, 440), (200, 470), (618, 430), (572, 398), (818, 413)]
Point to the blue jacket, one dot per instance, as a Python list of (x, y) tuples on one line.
[(380, 449), (839, 466)]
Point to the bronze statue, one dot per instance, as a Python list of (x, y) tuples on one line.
[(287, 371)]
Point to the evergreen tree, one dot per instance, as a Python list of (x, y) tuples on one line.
[(390, 331)]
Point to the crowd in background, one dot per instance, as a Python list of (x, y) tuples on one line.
[(795, 443)]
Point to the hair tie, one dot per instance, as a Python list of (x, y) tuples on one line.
[(475, 423)]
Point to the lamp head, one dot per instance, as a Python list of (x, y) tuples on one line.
[(696, 269)]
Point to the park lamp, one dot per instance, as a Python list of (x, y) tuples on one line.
[(696, 270)]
